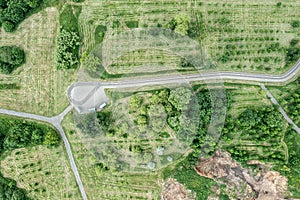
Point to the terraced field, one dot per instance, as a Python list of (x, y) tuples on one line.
[(41, 87), (44, 173), (241, 36), (244, 96), (253, 33)]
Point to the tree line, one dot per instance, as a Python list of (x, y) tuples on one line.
[(18, 133)]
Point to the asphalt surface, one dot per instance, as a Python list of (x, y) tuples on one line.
[(184, 79), (56, 122), (205, 76)]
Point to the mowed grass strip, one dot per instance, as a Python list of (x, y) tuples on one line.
[(42, 87)]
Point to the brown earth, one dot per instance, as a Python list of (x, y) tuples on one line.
[(173, 190), (243, 183)]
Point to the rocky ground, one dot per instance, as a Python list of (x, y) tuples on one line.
[(173, 190), (243, 183)]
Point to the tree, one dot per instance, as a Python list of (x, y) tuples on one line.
[(135, 102), (12, 12), (142, 120), (180, 98), (8, 26), (180, 24), (91, 63), (295, 23), (18, 136), (51, 139), (157, 117), (33, 3), (9, 190), (278, 4)]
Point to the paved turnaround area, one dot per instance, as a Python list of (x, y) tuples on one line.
[(56, 120)]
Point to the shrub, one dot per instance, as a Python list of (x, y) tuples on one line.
[(8, 26), (295, 24), (180, 24), (279, 4)]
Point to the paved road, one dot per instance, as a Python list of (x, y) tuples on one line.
[(274, 101), (56, 122), (183, 79), (206, 76)]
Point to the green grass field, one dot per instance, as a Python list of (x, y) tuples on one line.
[(246, 96), (114, 185), (249, 36), (44, 173), (42, 87), (252, 97)]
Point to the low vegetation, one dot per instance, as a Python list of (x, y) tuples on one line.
[(11, 57), (39, 87), (234, 40), (185, 173), (156, 118), (102, 183), (12, 12)]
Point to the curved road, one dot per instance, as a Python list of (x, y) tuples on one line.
[(205, 76), (56, 121), (182, 79)]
